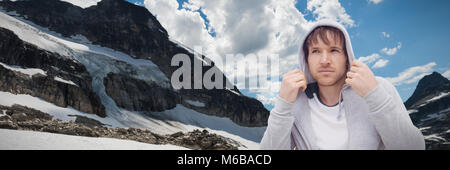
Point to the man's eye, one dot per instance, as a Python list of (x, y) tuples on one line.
[(315, 51)]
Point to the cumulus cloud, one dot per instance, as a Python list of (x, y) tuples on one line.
[(380, 63), (386, 35), (412, 74), (330, 9), (446, 74), (391, 51), (375, 1), (369, 59)]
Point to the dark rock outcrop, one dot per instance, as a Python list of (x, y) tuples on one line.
[(240, 109), (139, 95), (14, 51)]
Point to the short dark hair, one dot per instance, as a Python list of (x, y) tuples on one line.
[(321, 32)]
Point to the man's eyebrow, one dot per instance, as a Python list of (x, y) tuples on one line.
[(336, 47)]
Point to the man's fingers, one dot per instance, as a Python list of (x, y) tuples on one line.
[(295, 71), (358, 63), (292, 72), (296, 76), (349, 81), (351, 74), (354, 69), (302, 85)]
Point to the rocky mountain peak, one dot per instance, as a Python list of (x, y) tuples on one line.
[(429, 86)]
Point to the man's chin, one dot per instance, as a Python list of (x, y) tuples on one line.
[(327, 81)]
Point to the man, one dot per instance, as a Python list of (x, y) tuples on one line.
[(335, 102)]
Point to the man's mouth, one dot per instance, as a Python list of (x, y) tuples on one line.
[(325, 71)]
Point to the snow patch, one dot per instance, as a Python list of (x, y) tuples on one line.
[(80, 39), (195, 103), (434, 137), (31, 140), (443, 94), (28, 71), (438, 97), (234, 92), (425, 128), (65, 81), (412, 111), (83, 3)]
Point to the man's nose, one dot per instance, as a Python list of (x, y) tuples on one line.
[(325, 59)]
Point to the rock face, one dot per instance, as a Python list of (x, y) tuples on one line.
[(14, 51), (134, 94), (429, 108), (133, 30), (243, 110), (23, 118)]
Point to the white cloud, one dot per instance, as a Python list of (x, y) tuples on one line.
[(251, 26), (380, 63), (416, 78), (391, 51), (375, 1), (330, 9), (369, 59), (243, 27), (185, 25), (446, 74), (386, 35), (412, 74)]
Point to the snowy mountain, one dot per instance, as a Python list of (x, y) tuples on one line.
[(429, 109), (109, 60)]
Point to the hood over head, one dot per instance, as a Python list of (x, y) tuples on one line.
[(301, 56)]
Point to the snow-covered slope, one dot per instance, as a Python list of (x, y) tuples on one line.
[(83, 3), (28, 71), (100, 61), (29, 140)]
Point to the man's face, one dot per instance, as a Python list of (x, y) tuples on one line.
[(327, 63)]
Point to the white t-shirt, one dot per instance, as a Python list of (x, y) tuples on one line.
[(329, 125)]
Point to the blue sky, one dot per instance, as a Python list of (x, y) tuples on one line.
[(417, 30)]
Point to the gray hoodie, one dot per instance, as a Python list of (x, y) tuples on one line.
[(377, 121)]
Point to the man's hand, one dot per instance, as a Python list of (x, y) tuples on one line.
[(361, 78), (292, 82)]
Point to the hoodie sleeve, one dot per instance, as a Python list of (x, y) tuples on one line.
[(391, 118), (279, 126)]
